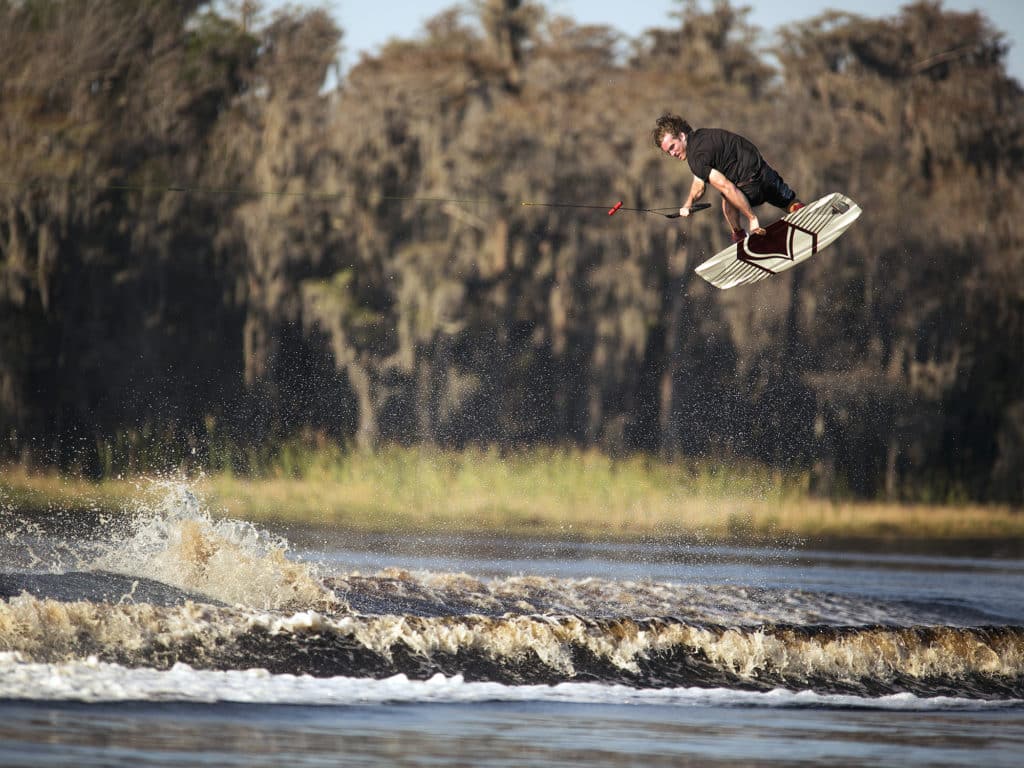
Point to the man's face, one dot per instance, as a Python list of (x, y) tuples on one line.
[(674, 146)]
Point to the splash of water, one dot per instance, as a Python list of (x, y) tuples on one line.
[(173, 538)]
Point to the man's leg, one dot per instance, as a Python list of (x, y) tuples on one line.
[(777, 192)]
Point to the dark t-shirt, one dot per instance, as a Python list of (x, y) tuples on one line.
[(733, 156)]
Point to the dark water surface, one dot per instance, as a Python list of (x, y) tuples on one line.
[(502, 734)]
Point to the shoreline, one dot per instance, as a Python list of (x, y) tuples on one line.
[(664, 513)]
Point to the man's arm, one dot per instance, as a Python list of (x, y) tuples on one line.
[(696, 193), (732, 193)]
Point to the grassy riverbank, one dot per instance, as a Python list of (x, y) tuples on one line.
[(538, 492)]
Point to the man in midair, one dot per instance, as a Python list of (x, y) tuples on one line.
[(732, 165)]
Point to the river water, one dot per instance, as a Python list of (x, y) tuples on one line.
[(170, 637)]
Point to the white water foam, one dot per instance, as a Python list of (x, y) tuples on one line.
[(93, 681), (174, 539)]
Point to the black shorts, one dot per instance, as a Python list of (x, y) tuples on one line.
[(767, 187)]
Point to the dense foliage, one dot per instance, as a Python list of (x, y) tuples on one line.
[(202, 246)]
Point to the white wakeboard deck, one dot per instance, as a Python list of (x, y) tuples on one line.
[(787, 242)]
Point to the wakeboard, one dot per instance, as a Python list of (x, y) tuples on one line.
[(792, 239)]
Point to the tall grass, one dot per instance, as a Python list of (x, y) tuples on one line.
[(537, 491), (485, 489)]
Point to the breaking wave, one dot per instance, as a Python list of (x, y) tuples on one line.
[(173, 586)]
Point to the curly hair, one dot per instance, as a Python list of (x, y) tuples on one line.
[(669, 125)]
